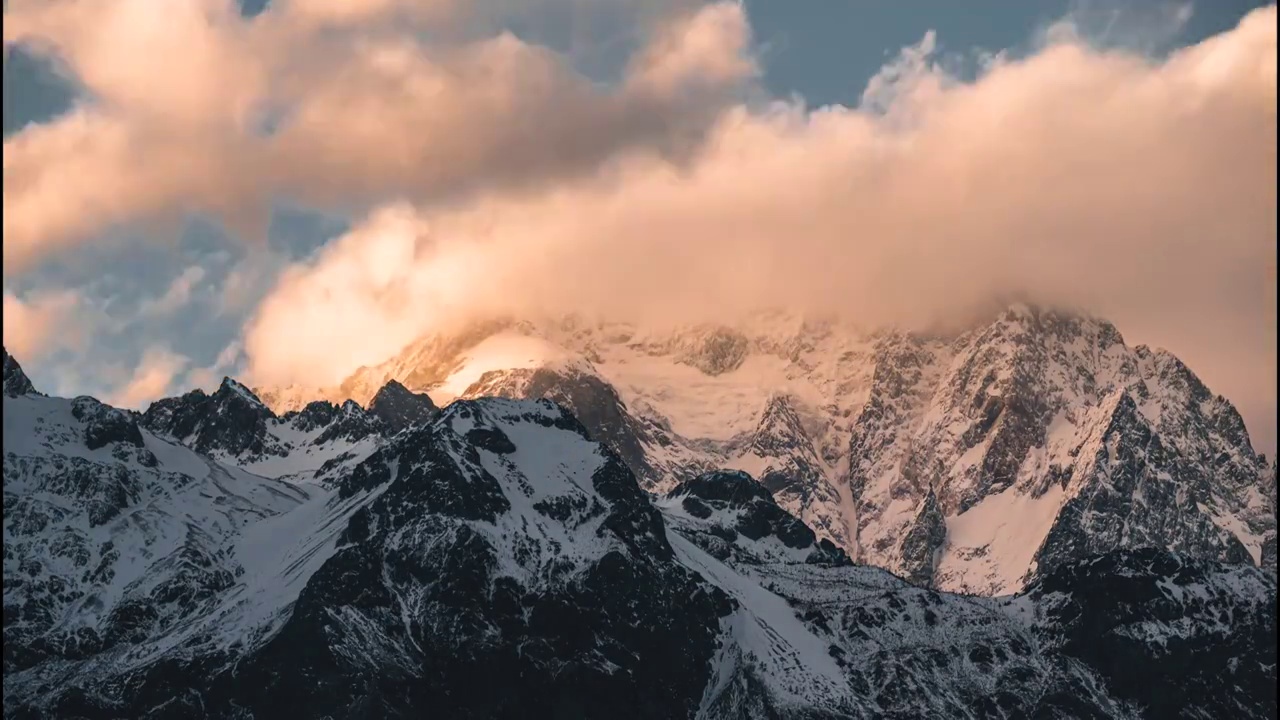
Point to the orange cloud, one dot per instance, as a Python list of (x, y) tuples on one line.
[(34, 326), (1144, 191), (151, 379), (502, 181), (197, 108)]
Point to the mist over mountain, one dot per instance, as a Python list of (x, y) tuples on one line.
[(963, 458), (683, 359)]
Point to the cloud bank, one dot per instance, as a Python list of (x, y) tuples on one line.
[(498, 179), (326, 103), (37, 325)]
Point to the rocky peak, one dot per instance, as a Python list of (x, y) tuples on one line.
[(779, 419), (15, 380), (941, 437), (316, 414), (104, 424), (349, 422), (590, 398), (782, 454), (501, 541), (232, 421), (232, 392), (1002, 391), (1045, 409), (399, 408)]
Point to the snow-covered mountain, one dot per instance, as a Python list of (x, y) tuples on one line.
[(111, 533), (493, 560), (967, 462)]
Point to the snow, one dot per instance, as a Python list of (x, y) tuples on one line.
[(1078, 367), (990, 547), (274, 536), (176, 458), (279, 555), (184, 504), (305, 457), (507, 350), (766, 550), (969, 460), (35, 425), (697, 405), (547, 464), (791, 659), (1251, 540)]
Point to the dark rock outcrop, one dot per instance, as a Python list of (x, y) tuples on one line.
[(16, 382), (398, 408)]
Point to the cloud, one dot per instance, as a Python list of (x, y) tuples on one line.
[(1141, 190), (208, 378), (151, 380), (1148, 28), (497, 178), (176, 296), (242, 112), (346, 13), (440, 123), (39, 324)]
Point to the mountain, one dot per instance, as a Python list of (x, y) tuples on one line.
[(112, 534), (497, 561), (970, 461)]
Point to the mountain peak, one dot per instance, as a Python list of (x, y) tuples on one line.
[(392, 389), (232, 387), (16, 382), (398, 407)]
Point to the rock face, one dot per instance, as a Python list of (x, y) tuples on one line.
[(499, 562), (1119, 611), (15, 380), (398, 408), (724, 506), (231, 421), (969, 462), (1047, 427)]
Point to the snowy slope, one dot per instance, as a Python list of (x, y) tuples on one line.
[(899, 447), (112, 533)]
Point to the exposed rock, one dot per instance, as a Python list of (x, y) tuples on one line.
[(15, 380), (398, 408)]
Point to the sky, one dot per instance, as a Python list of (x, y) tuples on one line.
[(286, 190)]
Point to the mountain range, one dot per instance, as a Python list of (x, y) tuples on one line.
[(964, 462), (785, 518)]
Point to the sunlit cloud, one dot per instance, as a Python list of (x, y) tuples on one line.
[(488, 175)]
